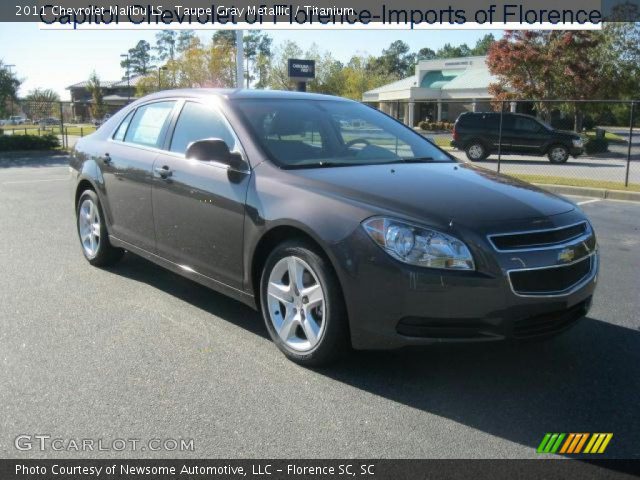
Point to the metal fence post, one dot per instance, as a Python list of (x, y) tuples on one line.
[(500, 135), (62, 126), (631, 119)]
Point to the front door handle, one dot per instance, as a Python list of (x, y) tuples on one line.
[(164, 172)]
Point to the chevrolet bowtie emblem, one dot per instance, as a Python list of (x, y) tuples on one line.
[(566, 255)]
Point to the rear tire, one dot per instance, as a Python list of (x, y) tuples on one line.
[(476, 151), (306, 318), (558, 154), (92, 231)]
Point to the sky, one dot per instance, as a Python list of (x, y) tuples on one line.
[(57, 59)]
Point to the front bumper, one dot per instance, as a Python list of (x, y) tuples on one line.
[(576, 151), (393, 305)]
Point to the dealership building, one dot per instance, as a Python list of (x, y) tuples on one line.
[(438, 91), (115, 95)]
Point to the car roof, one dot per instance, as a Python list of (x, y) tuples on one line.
[(241, 93), (513, 114)]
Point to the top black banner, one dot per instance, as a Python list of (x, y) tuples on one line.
[(410, 14)]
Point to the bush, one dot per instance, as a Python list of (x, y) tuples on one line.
[(433, 126), (596, 145), (28, 142)]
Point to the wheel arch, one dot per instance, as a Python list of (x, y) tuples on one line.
[(274, 237), (83, 185), (556, 143), (476, 139)]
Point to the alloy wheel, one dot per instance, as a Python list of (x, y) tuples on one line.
[(476, 151), (558, 154), (89, 227), (296, 304)]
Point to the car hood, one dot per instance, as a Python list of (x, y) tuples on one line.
[(568, 133), (437, 192)]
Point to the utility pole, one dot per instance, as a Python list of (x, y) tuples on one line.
[(239, 59), (160, 69), (10, 68)]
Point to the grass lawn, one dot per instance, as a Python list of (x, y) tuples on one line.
[(611, 137), (35, 130), (576, 182), (442, 141)]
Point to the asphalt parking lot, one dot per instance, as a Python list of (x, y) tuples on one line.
[(138, 352)]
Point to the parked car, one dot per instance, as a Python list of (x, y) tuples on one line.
[(49, 121), (97, 122), (375, 241), (17, 120), (478, 133)]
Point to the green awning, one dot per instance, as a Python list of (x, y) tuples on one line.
[(438, 78)]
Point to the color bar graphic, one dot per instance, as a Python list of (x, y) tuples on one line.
[(574, 443)]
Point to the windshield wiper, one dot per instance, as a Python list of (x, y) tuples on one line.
[(417, 160), (322, 165)]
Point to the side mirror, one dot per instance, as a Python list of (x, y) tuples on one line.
[(215, 150)]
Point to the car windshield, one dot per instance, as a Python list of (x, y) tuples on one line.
[(299, 133)]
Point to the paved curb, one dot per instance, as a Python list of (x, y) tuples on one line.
[(592, 192), (13, 154)]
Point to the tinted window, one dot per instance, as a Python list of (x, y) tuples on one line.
[(310, 133), (479, 120), (526, 124), (148, 122), (197, 122), (122, 129)]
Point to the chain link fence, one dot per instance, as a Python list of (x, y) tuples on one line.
[(609, 155), (68, 121)]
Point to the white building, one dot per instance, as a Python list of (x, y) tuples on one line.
[(439, 91)]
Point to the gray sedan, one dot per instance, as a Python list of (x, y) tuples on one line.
[(344, 227)]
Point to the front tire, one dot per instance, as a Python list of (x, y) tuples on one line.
[(476, 151), (92, 232), (302, 305), (558, 154)]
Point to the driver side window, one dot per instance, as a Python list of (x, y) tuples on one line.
[(198, 122), (526, 124)]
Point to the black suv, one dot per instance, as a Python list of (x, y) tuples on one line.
[(477, 134)]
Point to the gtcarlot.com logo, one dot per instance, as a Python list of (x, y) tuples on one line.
[(44, 442), (575, 443)]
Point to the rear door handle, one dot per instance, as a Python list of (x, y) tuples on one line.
[(164, 172)]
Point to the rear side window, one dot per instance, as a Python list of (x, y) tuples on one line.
[(197, 122), (526, 124), (122, 129), (479, 120), (148, 124)]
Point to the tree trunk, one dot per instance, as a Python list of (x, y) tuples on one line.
[(578, 116)]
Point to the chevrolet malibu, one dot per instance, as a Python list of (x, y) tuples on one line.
[(343, 227)]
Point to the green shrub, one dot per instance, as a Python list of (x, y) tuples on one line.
[(423, 125), (28, 142), (597, 145)]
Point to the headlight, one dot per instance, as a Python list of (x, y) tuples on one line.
[(577, 142), (418, 245)]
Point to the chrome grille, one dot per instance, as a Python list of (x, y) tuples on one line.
[(554, 280), (539, 239)]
